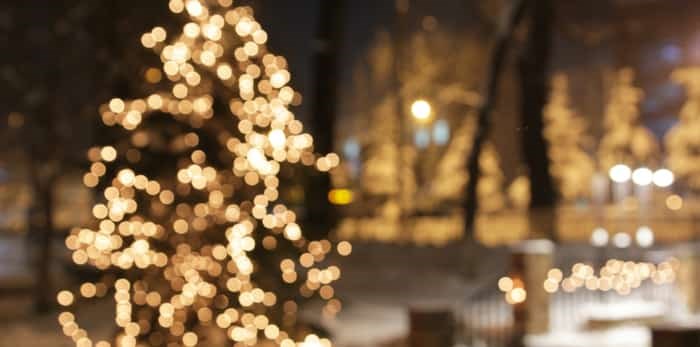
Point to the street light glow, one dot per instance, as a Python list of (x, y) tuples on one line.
[(620, 173), (663, 178), (642, 176), (421, 109)]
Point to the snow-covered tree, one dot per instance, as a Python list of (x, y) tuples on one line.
[(197, 246), (626, 140), (683, 140), (571, 166)]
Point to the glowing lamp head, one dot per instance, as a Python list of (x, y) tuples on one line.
[(620, 173), (194, 8), (277, 139), (600, 237), (642, 176), (645, 237), (622, 240), (421, 110), (663, 178)]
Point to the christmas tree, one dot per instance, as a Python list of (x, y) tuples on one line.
[(682, 141), (626, 141), (434, 171), (571, 166), (189, 233), (490, 188)]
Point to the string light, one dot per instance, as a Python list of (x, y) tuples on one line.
[(421, 110), (514, 290), (620, 173), (182, 241), (642, 176), (663, 178), (620, 276)]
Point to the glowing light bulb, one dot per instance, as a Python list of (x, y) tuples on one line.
[(644, 237), (674, 202), (622, 240), (663, 178), (642, 176), (194, 8), (620, 173), (277, 138), (518, 295), (421, 109), (600, 237), (505, 284)]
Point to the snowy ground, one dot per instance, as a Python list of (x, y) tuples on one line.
[(379, 284)]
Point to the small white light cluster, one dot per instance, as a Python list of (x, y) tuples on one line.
[(641, 176), (617, 275), (644, 238), (514, 290)]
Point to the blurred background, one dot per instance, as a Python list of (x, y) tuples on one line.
[(512, 172)]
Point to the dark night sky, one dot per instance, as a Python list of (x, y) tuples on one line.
[(292, 27)]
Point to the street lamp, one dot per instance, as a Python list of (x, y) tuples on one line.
[(421, 110), (663, 178), (620, 173)]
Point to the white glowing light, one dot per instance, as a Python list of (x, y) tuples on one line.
[(642, 176), (622, 240), (421, 109), (277, 138), (620, 173), (194, 8), (600, 237), (257, 160), (645, 237), (663, 178)]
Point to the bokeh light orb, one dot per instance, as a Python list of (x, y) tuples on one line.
[(620, 173), (663, 178), (642, 176), (645, 237), (600, 237), (622, 240), (421, 109)]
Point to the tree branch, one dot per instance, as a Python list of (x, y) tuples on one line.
[(500, 52)]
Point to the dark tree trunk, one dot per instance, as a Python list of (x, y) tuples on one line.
[(321, 216), (399, 32), (498, 58), (41, 230), (533, 65)]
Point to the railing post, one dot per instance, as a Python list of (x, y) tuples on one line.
[(689, 277), (530, 261)]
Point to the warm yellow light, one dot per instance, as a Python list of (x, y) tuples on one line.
[(620, 173), (344, 248), (340, 196), (277, 138), (674, 202), (642, 176), (421, 110), (177, 253), (518, 295), (663, 178), (505, 284)]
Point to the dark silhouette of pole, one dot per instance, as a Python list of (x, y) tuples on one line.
[(320, 214), (398, 47), (498, 57), (533, 71)]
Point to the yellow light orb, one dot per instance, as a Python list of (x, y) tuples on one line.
[(421, 110), (620, 173), (663, 178)]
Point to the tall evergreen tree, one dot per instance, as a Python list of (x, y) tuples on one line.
[(191, 231)]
